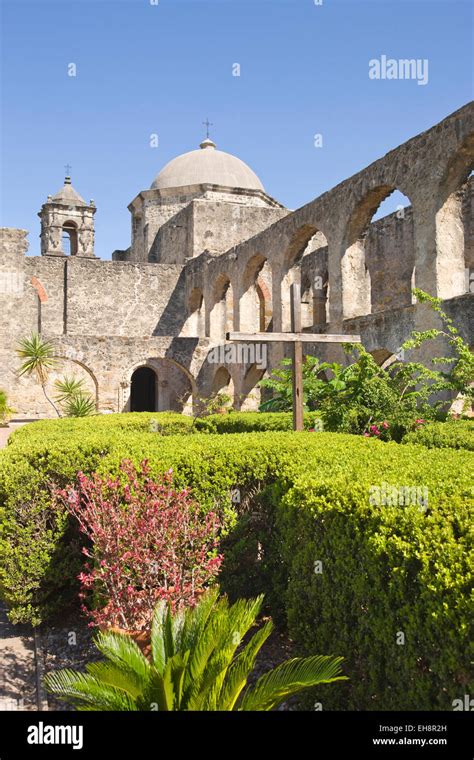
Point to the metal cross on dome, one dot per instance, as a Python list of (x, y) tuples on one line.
[(68, 168), (208, 124)]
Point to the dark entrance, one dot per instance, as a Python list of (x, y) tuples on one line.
[(143, 392)]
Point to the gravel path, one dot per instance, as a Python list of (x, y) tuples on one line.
[(17, 666), (18, 671)]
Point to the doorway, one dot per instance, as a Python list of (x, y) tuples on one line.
[(143, 390)]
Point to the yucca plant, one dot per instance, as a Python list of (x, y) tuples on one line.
[(79, 405), (195, 663), (66, 387), (39, 360), (73, 398)]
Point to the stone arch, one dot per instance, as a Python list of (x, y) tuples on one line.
[(251, 396), (175, 385), (69, 238), (222, 382), (356, 277), (256, 300), (194, 326), (221, 315), (383, 357), (451, 250), (306, 241)]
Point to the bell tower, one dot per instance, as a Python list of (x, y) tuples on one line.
[(67, 224)]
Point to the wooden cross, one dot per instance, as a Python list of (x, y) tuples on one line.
[(296, 338)]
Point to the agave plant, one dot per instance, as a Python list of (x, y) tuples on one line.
[(198, 661), (38, 360)]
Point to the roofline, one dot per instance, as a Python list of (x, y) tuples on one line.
[(184, 190)]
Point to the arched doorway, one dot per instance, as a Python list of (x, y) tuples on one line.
[(143, 390)]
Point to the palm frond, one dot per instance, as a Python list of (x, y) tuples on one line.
[(121, 650), (87, 693), (289, 678), (239, 671), (119, 677)]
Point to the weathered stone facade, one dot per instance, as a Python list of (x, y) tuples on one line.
[(207, 257)]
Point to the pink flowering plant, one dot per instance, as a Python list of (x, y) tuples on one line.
[(147, 541)]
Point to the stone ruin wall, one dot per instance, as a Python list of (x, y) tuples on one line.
[(108, 317)]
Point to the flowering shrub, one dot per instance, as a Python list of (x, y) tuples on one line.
[(148, 542)]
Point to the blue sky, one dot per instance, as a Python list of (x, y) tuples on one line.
[(143, 69)]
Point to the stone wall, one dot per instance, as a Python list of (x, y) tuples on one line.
[(109, 317)]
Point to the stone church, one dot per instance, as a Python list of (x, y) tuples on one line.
[(211, 251)]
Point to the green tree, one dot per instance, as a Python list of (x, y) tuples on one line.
[(197, 662)]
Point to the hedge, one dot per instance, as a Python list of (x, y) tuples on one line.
[(386, 569), (164, 423), (251, 422), (458, 434)]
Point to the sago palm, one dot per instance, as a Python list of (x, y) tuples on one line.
[(195, 664), (39, 360)]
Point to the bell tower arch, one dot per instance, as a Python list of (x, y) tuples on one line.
[(67, 224)]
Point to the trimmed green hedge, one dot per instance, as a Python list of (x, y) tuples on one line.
[(164, 423), (169, 423), (251, 422), (305, 498), (458, 434)]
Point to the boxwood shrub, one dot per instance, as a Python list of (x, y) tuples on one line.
[(164, 423), (305, 499), (251, 422), (458, 434)]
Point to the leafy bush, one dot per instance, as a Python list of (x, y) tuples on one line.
[(148, 542), (363, 398), (456, 434), (388, 587), (303, 498), (193, 665)]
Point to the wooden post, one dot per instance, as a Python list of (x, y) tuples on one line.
[(297, 363)]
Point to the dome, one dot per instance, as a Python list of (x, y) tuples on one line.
[(207, 166)]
